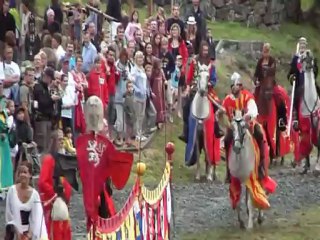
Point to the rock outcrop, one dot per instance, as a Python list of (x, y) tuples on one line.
[(253, 13)]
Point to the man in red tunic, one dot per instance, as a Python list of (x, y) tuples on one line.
[(241, 99), (55, 191)]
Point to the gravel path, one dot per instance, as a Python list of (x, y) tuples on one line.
[(204, 206)]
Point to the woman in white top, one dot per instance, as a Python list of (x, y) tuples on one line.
[(133, 25), (68, 102), (24, 214)]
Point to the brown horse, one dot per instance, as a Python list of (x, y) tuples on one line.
[(272, 112)]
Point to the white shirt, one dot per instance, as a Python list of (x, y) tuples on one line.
[(24, 26), (60, 52), (9, 70), (36, 220), (252, 109), (68, 99)]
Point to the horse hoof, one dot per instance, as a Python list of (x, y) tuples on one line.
[(304, 171), (197, 179), (316, 173), (260, 220), (209, 179), (242, 225), (282, 161), (293, 164)]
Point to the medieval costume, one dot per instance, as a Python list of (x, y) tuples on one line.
[(25, 216), (191, 82), (243, 100), (296, 73), (55, 190), (266, 67), (6, 170), (302, 116), (211, 142), (99, 162)]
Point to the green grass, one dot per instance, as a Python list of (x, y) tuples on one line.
[(299, 226), (155, 157), (307, 4)]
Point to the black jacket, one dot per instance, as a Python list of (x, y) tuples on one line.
[(7, 24), (45, 104), (23, 132)]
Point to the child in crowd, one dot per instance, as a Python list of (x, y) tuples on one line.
[(151, 112), (67, 142), (129, 112), (177, 81), (23, 135)]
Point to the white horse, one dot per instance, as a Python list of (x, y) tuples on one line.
[(200, 110), (242, 164), (310, 104)]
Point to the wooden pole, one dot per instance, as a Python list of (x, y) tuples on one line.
[(131, 6), (150, 8)]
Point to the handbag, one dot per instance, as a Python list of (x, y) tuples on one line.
[(59, 210)]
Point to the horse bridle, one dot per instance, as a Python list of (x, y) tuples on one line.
[(241, 131)]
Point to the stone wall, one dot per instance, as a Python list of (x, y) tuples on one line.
[(265, 13)]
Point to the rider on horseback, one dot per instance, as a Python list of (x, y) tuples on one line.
[(265, 66), (243, 100), (192, 77), (296, 73)]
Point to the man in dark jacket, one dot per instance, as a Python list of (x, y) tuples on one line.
[(176, 19), (7, 24), (43, 105), (200, 19)]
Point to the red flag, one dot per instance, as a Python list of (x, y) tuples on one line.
[(98, 159)]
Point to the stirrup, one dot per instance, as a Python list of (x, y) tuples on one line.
[(295, 124), (282, 126)]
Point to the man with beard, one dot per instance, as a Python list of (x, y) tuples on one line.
[(191, 82)]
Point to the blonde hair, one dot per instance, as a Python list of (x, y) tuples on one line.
[(267, 46), (138, 54), (175, 25)]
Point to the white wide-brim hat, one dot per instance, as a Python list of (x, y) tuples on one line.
[(191, 20)]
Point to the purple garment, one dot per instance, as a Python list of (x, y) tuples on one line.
[(12, 4)]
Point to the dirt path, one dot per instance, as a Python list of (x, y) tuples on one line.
[(206, 206)]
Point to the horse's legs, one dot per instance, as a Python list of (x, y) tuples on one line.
[(209, 171), (260, 217), (306, 166), (241, 222), (198, 173), (249, 209), (282, 161), (317, 167)]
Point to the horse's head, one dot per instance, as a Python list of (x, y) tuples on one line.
[(307, 61), (239, 127), (203, 79), (267, 83)]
